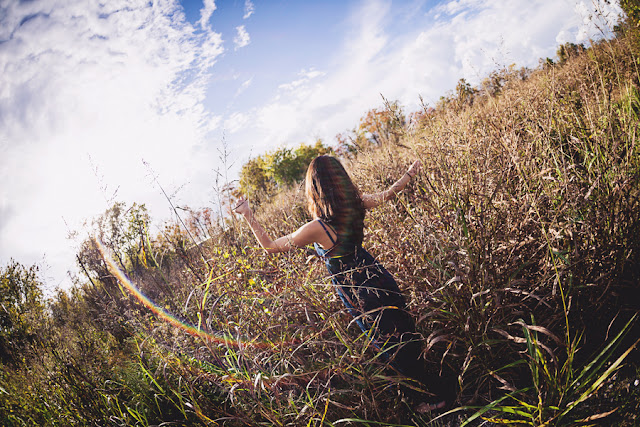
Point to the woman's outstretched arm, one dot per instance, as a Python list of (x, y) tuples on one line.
[(305, 235), (373, 200)]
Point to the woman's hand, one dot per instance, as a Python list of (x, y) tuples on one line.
[(414, 168), (300, 238), (373, 200), (242, 207)]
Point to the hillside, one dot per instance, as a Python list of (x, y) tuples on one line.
[(517, 247)]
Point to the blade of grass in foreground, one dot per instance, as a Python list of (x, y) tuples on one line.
[(493, 406), (588, 371), (596, 384)]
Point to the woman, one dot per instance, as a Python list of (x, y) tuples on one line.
[(366, 288)]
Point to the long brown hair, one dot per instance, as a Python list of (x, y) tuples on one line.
[(332, 197)]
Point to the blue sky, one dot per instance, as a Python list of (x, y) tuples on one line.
[(281, 44), (96, 98)]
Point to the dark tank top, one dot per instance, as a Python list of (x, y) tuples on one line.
[(362, 282)]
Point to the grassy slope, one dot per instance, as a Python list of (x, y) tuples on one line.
[(526, 213)]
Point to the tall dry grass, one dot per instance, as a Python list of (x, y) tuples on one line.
[(517, 247)]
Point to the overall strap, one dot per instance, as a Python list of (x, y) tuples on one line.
[(333, 241)]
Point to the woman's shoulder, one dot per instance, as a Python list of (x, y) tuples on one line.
[(318, 226)]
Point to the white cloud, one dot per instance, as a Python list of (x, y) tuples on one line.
[(235, 122), (244, 86), (249, 9), (305, 77), (367, 39), (115, 81), (242, 37), (457, 39), (597, 19), (209, 6)]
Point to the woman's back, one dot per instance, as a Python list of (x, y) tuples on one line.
[(349, 231), (334, 199)]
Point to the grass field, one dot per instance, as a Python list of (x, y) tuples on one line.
[(517, 247)]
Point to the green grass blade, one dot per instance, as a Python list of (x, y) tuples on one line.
[(491, 406), (589, 371), (596, 384)]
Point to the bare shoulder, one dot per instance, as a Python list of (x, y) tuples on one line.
[(310, 228)]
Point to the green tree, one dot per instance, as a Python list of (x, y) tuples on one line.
[(287, 166), (123, 231), (264, 175), (21, 310), (631, 8), (254, 181)]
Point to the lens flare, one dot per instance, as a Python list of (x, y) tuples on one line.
[(217, 337)]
